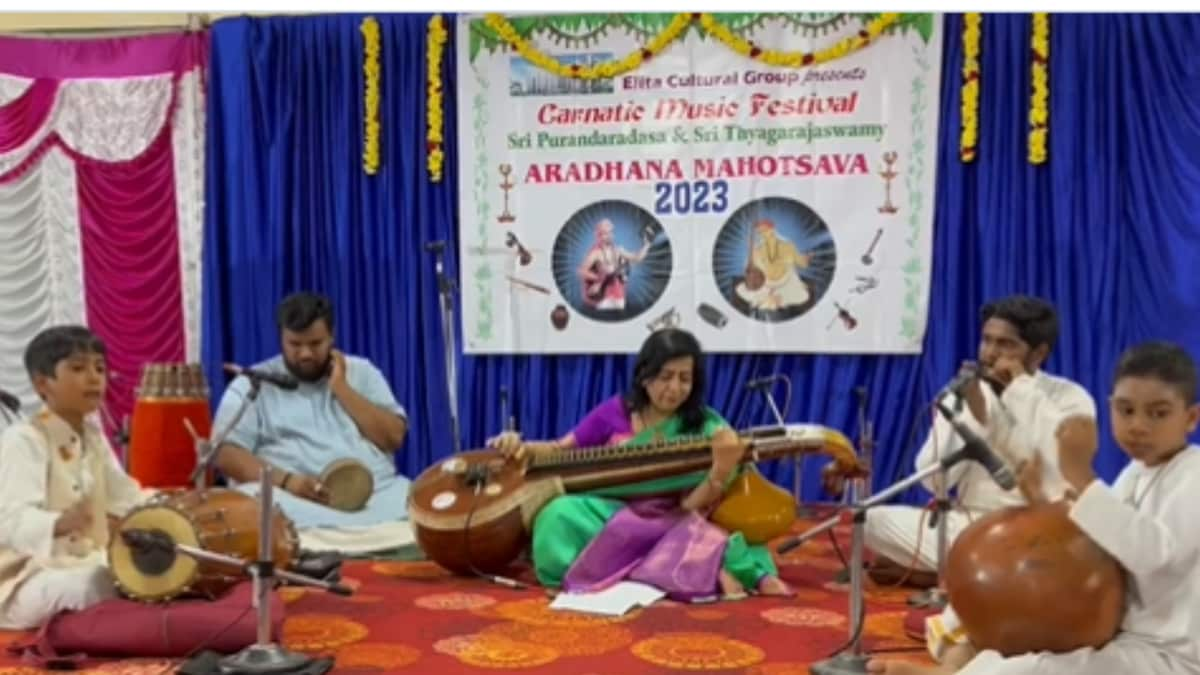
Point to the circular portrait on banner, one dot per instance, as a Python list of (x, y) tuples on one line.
[(774, 259), (612, 260)]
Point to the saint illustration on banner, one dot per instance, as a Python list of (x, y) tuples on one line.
[(772, 280), (612, 261), (606, 268), (774, 259), (723, 173)]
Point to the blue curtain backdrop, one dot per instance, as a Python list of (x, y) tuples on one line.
[(1106, 230)]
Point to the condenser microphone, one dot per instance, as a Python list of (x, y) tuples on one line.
[(278, 379)]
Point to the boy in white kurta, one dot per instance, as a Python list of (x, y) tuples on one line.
[(1017, 335), (1145, 521), (59, 484)]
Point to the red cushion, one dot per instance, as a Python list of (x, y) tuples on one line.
[(125, 628)]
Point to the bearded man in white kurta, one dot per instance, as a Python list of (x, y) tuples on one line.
[(1019, 423)]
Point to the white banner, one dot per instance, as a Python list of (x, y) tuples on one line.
[(762, 207)]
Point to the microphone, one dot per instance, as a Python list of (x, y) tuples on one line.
[(760, 382), (278, 379), (10, 401), (437, 248), (960, 381), (445, 283), (509, 421), (977, 449), (121, 434), (964, 376)]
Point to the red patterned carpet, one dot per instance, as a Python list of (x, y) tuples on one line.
[(410, 617)]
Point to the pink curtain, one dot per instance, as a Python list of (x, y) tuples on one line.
[(113, 107), (131, 263), (102, 57), (21, 118)]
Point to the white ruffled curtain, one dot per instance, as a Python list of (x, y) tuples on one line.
[(92, 181), (12, 87), (41, 275)]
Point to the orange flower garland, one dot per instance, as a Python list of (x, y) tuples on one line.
[(596, 71), (1039, 110), (435, 43), (969, 140), (672, 32)]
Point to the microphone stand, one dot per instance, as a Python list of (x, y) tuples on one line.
[(265, 655), (206, 449), (122, 440), (935, 598), (446, 291), (764, 385), (509, 421), (119, 440), (866, 447), (853, 659)]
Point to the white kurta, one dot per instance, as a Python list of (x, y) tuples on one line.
[(1020, 423), (47, 469), (1145, 521), (787, 291)]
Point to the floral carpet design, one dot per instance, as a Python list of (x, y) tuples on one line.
[(413, 617)]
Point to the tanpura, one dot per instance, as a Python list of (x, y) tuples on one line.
[(1027, 579), (473, 511)]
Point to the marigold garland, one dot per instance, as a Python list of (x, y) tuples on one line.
[(969, 140), (435, 43), (1039, 111), (595, 71), (672, 32), (772, 57), (371, 51)]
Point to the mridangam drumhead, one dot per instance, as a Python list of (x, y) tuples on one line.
[(152, 573)]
